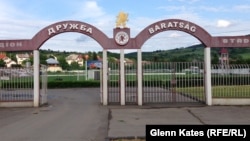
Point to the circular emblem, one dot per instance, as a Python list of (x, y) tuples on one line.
[(121, 38)]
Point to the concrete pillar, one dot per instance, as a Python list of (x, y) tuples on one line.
[(105, 77), (139, 76), (207, 71), (122, 77), (36, 65)]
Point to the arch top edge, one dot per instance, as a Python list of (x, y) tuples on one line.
[(174, 24), (68, 26)]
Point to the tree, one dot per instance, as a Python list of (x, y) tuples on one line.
[(43, 58), (2, 63), (12, 56), (112, 59), (63, 63), (215, 58), (74, 66), (25, 62), (90, 55), (51, 56), (248, 61), (237, 60), (94, 56)]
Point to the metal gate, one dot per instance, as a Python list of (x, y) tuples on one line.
[(172, 82), (43, 88), (113, 83), (162, 82), (16, 84), (131, 83), (114, 93)]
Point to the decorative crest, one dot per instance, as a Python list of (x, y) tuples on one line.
[(121, 20)]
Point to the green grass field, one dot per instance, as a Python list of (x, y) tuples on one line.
[(219, 91), (155, 76)]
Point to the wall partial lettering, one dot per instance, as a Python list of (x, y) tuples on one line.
[(69, 27), (10, 44), (235, 40), (172, 25)]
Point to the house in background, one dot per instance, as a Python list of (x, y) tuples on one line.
[(53, 65), (6, 59), (75, 58), (22, 57), (9, 62)]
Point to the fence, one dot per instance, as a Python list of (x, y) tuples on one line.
[(16, 84), (179, 82), (131, 83), (231, 81), (171, 82), (113, 83), (67, 76), (163, 82), (43, 89)]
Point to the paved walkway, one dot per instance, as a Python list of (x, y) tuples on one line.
[(130, 122), (72, 115), (76, 114)]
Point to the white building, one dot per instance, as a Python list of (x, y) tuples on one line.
[(6, 59), (53, 65), (22, 57), (75, 58)]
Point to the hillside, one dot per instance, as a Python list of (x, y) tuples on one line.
[(188, 54), (194, 53), (178, 54)]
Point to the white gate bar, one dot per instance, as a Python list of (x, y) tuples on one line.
[(207, 66), (139, 76), (105, 77), (122, 77), (36, 77)]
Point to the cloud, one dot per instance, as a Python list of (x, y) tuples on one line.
[(189, 16), (72, 42), (174, 35), (88, 10), (16, 23), (173, 8), (212, 9), (7, 11), (223, 23), (242, 8), (82, 38), (186, 1)]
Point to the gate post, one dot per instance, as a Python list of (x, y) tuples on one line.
[(122, 77), (105, 78), (139, 76), (36, 74), (208, 85)]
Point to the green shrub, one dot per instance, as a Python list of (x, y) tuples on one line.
[(73, 84), (55, 84), (16, 85)]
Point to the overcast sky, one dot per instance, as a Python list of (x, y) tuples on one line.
[(22, 19)]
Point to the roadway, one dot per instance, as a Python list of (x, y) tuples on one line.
[(72, 115)]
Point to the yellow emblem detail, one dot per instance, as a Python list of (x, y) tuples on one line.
[(121, 20)]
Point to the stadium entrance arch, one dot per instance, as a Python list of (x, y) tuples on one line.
[(174, 82), (39, 97), (121, 40)]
